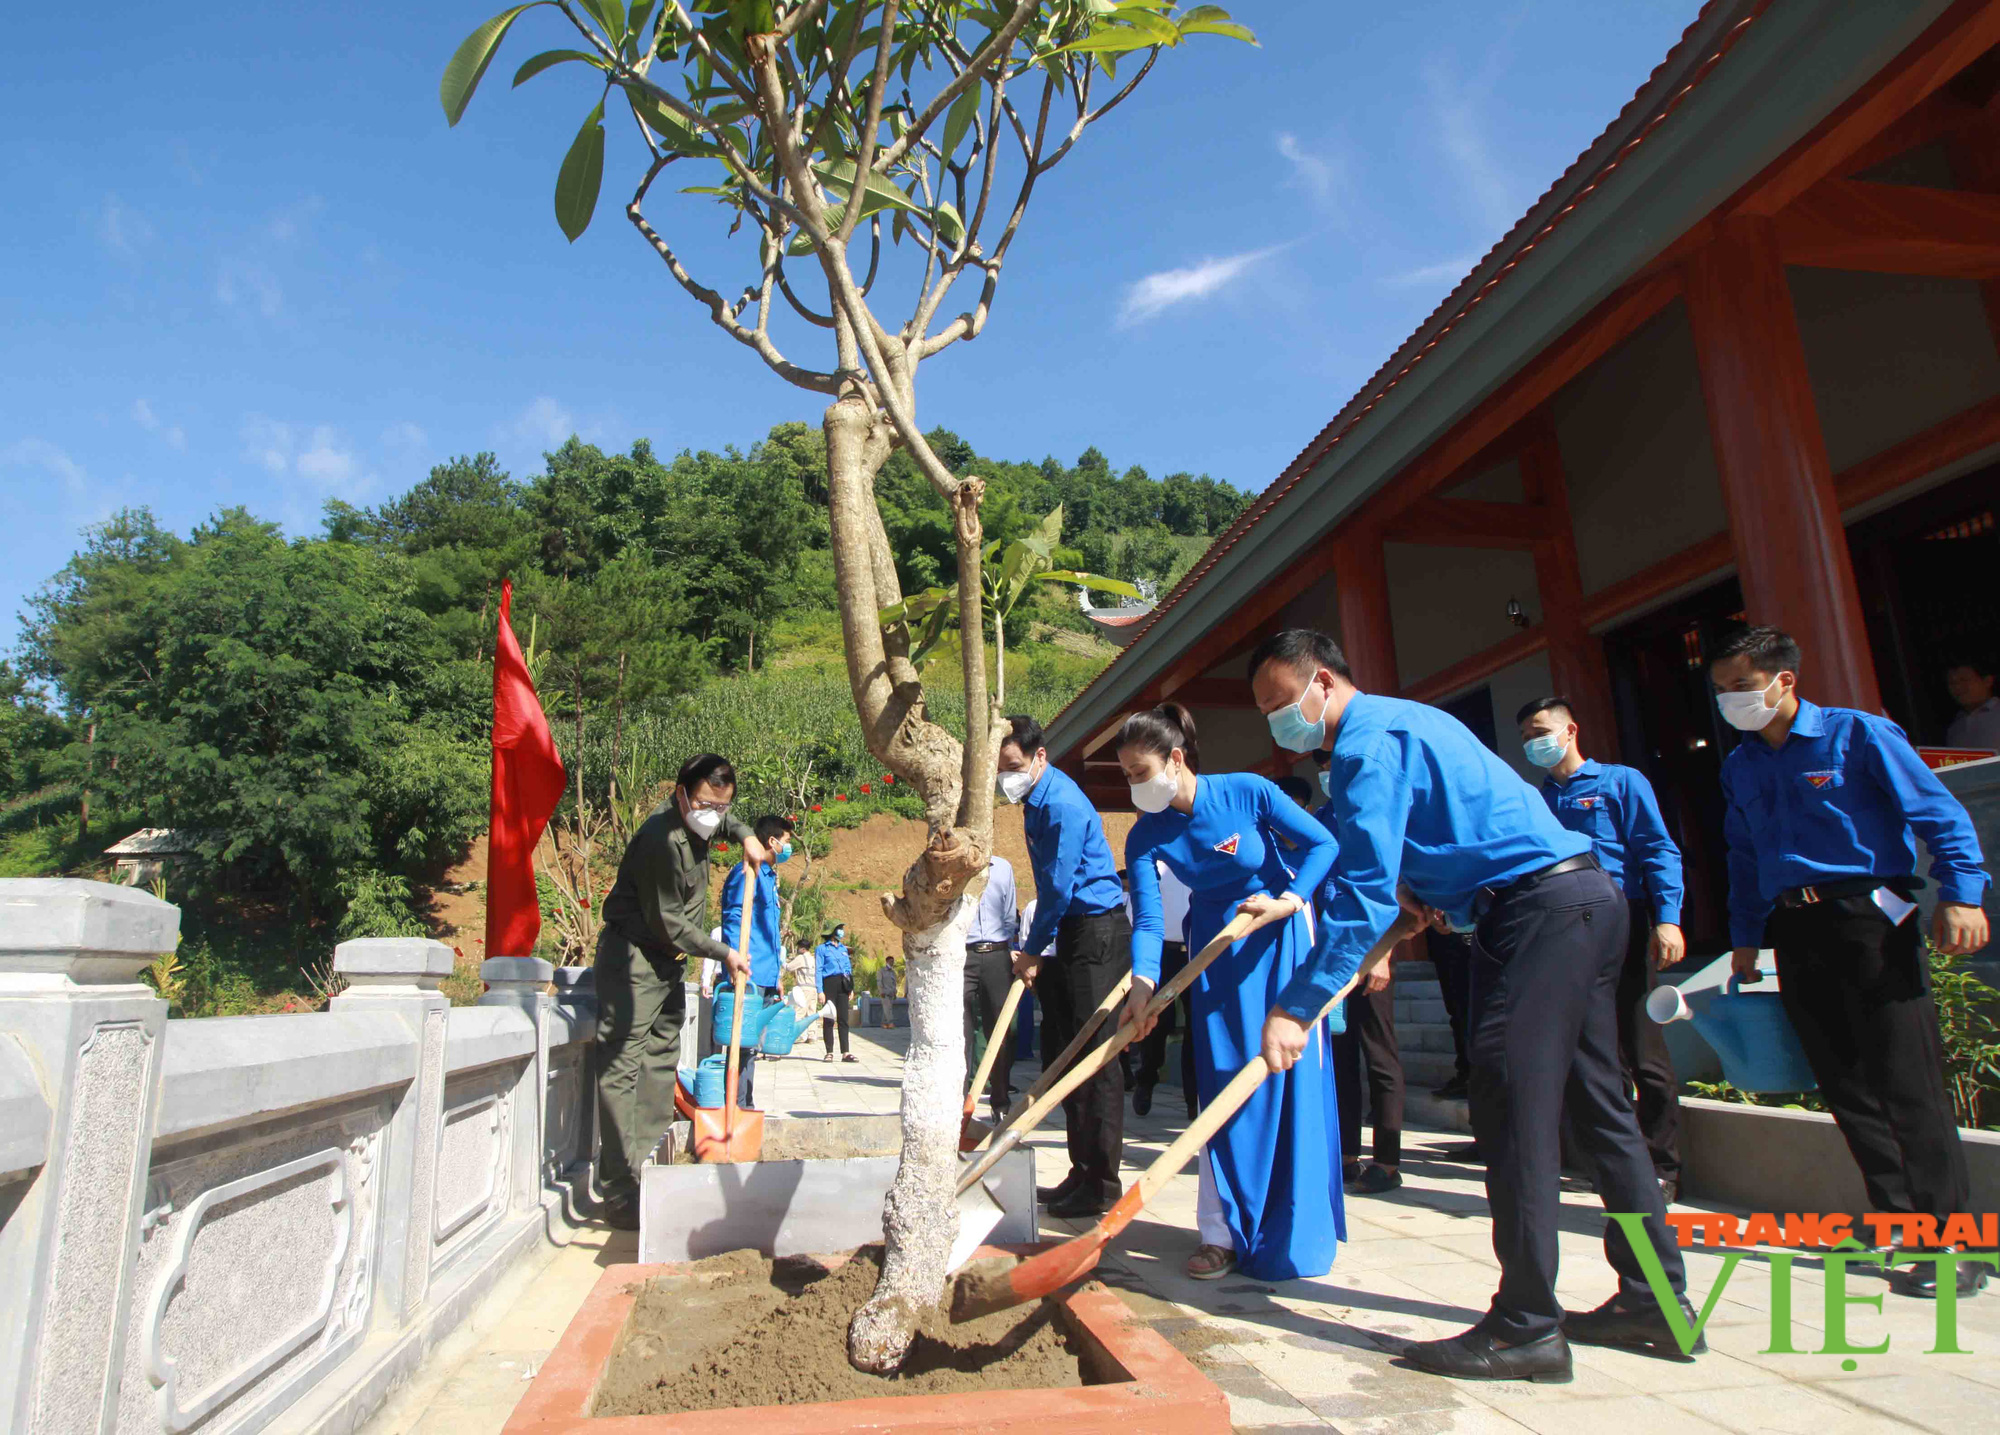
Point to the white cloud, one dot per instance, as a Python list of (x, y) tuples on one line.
[(1449, 269), (268, 442), (544, 422), (40, 453), (404, 435), (170, 434), (123, 230), (1310, 172), (240, 285), (1462, 128), (325, 461), (1169, 287), (292, 221)]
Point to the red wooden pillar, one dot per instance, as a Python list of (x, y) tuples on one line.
[(1577, 665), (1791, 550), (1361, 586)]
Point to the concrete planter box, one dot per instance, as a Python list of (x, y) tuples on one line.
[(820, 1187), (1765, 1158), (1143, 1384)]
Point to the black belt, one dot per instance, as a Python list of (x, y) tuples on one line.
[(986, 947), (1078, 918), (1833, 891), (1520, 886)]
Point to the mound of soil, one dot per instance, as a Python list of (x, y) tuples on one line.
[(740, 1330)]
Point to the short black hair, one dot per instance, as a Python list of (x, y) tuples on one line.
[(1770, 650), (1296, 788), (1025, 734), (1980, 663), (1545, 705), (1303, 650), (706, 767), (771, 826)]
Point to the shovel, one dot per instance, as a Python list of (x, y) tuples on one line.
[(1002, 1032), (1240, 926), (1049, 1272), (979, 1209), (731, 1134)]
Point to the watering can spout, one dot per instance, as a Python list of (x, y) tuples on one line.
[(1749, 1031)]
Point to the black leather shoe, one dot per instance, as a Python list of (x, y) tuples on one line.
[(1453, 1090), (1374, 1180), (1142, 1099), (1922, 1280), (620, 1213), (1088, 1201), (1632, 1324), (1062, 1188), (1477, 1355)]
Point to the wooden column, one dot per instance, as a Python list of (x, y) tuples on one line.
[(1975, 163), (1577, 665), (1791, 550), (1361, 585)]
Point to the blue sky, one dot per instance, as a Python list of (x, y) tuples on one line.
[(248, 263)]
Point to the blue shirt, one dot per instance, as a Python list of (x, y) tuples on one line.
[(1839, 798), (765, 953), (1416, 798), (1226, 849), (1071, 860), (831, 960), (1615, 808), (996, 920)]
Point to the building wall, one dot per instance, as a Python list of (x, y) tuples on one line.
[(1449, 603)]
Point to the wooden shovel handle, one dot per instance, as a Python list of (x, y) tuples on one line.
[(999, 1034), (1239, 927), (1056, 1068), (736, 1015)]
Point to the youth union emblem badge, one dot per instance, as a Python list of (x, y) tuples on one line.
[(1227, 847)]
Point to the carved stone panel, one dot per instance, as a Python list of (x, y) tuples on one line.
[(474, 1149), (254, 1262), (564, 1109)]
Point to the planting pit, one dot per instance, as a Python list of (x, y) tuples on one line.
[(742, 1343)]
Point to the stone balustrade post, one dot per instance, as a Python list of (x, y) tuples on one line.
[(523, 984), (72, 1002), (402, 975)]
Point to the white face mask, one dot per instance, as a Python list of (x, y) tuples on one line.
[(703, 821), (1746, 711), (1015, 786), (1157, 792)]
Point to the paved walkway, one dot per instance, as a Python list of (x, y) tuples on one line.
[(1321, 1354)]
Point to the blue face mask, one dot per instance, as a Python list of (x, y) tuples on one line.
[(1545, 751), (1291, 731), (1326, 782), (783, 854)]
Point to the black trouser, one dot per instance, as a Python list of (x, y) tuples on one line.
[(1544, 1040), (1642, 1049), (989, 975), (1368, 1045), (1153, 1050), (1858, 992), (1451, 955), (836, 989), (1091, 954)]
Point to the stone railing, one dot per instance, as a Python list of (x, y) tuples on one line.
[(245, 1223)]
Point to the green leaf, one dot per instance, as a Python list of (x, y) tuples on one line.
[(549, 59), (838, 174), (680, 135), (636, 18), (1229, 29), (960, 117), (800, 245), (1092, 581), (467, 67), (949, 225), (611, 15), (581, 176)]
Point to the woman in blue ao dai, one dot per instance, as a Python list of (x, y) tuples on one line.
[(1276, 1164)]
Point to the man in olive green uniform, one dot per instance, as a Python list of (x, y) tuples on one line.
[(656, 915)]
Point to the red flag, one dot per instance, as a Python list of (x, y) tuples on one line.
[(527, 784)]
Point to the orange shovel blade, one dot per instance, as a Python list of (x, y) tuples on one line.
[(718, 1139)]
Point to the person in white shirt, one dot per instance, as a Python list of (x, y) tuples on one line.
[(1978, 722)]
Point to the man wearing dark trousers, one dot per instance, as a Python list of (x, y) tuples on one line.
[(1173, 956), (1823, 805), (1080, 904), (989, 973), (1615, 808), (1421, 803), (1451, 959)]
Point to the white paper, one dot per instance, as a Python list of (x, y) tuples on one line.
[(1893, 907)]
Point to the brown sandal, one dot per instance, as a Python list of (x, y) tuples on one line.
[(1211, 1263)]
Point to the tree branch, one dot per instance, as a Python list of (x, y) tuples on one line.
[(977, 761), (864, 159), (997, 45)]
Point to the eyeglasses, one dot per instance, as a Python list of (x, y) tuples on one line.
[(720, 808)]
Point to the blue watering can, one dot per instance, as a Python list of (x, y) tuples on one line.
[(1749, 1031)]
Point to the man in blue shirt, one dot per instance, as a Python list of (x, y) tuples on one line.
[(1615, 808), (989, 973), (834, 974), (766, 947), (1080, 905), (1419, 801), (1822, 808)]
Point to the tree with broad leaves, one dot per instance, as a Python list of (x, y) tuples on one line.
[(827, 127)]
